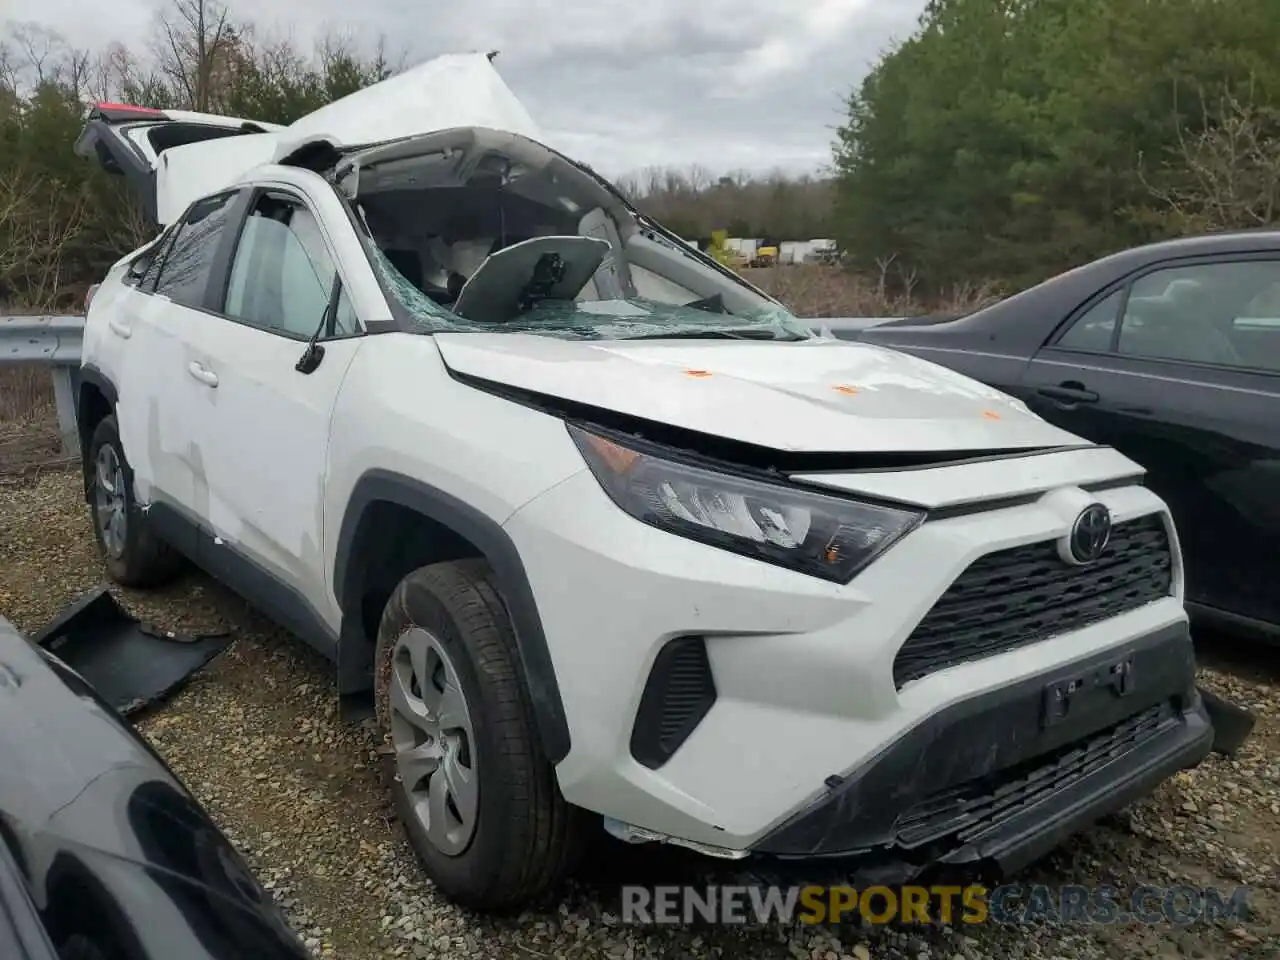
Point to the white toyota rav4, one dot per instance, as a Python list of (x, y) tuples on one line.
[(611, 536)]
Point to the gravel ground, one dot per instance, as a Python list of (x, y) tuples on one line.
[(258, 739)]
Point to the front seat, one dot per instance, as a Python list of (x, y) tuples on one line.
[(461, 260)]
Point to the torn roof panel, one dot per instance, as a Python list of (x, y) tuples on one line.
[(453, 90)]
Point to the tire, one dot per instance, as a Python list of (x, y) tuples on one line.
[(138, 558), (524, 838)]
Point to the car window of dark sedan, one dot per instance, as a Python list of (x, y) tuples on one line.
[(1094, 329), (1205, 313)]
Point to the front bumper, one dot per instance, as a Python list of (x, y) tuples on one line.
[(1005, 776), (803, 670)]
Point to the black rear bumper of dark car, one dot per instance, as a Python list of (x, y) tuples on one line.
[(1003, 777)]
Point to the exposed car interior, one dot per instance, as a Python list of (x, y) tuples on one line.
[(439, 207)]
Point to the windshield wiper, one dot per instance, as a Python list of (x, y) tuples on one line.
[(748, 333)]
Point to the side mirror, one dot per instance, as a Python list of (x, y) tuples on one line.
[(139, 267)]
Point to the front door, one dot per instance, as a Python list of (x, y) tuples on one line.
[(263, 423)]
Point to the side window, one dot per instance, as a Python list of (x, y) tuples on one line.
[(146, 269), (282, 275), (184, 272), (1200, 314), (1093, 330)]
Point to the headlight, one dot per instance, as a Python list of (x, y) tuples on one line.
[(820, 535)]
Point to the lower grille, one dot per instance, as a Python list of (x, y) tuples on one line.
[(1020, 596), (680, 691), (962, 812)]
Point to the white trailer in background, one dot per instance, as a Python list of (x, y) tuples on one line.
[(743, 246), (821, 251)]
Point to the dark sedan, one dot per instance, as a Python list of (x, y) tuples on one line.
[(1171, 354), (104, 855)]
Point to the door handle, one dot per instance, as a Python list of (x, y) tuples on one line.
[(121, 330), (1069, 392), (202, 373)]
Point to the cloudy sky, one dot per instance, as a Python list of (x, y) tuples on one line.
[(622, 84)]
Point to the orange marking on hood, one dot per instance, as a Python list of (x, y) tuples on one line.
[(697, 373), (991, 414), (845, 388)]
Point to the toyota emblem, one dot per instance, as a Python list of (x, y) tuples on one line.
[(1090, 534)]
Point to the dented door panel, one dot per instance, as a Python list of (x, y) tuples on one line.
[(151, 411)]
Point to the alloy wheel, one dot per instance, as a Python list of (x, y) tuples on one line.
[(110, 508), (434, 741)]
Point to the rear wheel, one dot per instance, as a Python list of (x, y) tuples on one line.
[(134, 555), (476, 795)]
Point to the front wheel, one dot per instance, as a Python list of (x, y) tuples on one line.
[(476, 795), (134, 555)]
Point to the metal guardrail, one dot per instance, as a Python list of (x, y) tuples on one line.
[(56, 342)]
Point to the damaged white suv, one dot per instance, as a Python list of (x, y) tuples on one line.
[(612, 536)]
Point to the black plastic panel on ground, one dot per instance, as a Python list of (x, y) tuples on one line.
[(1020, 596)]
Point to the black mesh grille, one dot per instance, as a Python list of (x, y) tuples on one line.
[(679, 693), (1026, 594), (960, 813)]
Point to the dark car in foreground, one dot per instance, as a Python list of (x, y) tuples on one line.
[(104, 855), (1171, 354)]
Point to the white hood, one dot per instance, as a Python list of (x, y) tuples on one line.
[(811, 396)]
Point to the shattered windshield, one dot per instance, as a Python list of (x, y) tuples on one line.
[(617, 319), (478, 230)]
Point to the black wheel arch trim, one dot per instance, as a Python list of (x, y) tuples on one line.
[(91, 378), (501, 553)]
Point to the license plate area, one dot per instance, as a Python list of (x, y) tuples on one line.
[(1087, 691)]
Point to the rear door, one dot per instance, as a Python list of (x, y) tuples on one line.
[(155, 407), (1178, 367), (148, 148)]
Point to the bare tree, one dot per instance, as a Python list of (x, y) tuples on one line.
[(114, 71), (338, 47), (33, 55), (1225, 174), (36, 225), (882, 279), (8, 68), (194, 40), (38, 51), (18, 191), (700, 179), (629, 186)]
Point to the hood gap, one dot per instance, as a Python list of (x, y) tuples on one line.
[(702, 449)]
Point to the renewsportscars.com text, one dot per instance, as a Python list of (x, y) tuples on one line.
[(1009, 904)]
